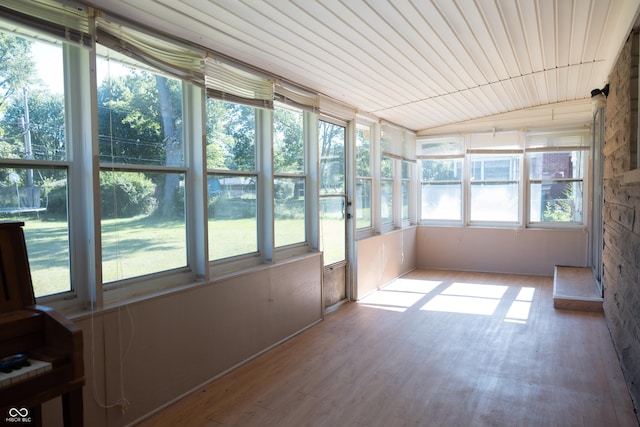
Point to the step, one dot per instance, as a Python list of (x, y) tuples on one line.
[(575, 288)]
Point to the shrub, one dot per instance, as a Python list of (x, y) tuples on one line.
[(124, 195), (56, 194)]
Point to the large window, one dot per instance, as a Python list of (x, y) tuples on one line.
[(441, 189), (232, 180), (34, 166), (480, 179), (289, 177), (555, 182), (142, 170), (495, 188)]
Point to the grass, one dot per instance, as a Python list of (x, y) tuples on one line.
[(133, 247)]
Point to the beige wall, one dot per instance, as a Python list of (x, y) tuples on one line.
[(384, 257), (157, 349), (501, 250)]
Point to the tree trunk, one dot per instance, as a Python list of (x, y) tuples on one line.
[(173, 145)]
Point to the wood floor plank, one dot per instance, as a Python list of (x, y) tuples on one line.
[(441, 348)]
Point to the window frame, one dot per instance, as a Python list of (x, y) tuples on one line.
[(237, 261), (470, 182), (460, 182), (448, 143), (584, 196), (366, 178)]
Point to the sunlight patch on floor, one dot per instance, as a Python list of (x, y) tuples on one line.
[(461, 304), (392, 300), (458, 297)]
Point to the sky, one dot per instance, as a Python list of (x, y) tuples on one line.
[(48, 59)]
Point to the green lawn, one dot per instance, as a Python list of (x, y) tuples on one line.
[(134, 247)]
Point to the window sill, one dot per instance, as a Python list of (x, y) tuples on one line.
[(631, 177)]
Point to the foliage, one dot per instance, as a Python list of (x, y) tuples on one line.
[(288, 141), (363, 152), (225, 207), (124, 195), (230, 136), (130, 125), (561, 209), (56, 193), (440, 170), (46, 126), (16, 66), (332, 138)]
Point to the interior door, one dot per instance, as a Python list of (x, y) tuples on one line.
[(334, 211)]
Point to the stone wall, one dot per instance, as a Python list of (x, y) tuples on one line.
[(621, 253)]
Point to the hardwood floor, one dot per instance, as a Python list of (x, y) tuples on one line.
[(435, 348)]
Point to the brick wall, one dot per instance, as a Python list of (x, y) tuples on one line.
[(621, 253)]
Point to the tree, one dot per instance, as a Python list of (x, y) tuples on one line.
[(440, 170), (241, 126), (16, 66), (140, 122), (331, 157), (288, 153), (217, 139), (172, 142), (46, 125)]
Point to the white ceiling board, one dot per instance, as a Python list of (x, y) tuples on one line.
[(560, 115), (417, 63)]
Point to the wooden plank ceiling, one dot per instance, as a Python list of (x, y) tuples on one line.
[(421, 64)]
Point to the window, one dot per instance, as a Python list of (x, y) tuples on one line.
[(406, 191), (441, 178), (441, 189), (34, 165), (363, 177), (231, 179), (289, 177), (555, 182), (495, 188), (552, 178), (386, 190), (556, 163), (142, 170)]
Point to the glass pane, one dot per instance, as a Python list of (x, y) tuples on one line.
[(405, 199), (288, 141), (556, 165), (442, 170), (38, 197), (31, 100), (487, 167), (442, 202), (333, 229), (386, 167), (494, 202), (363, 202), (363, 151), (559, 201), (386, 206), (231, 134), (289, 219), (143, 223), (331, 139), (233, 219), (405, 170), (139, 116)]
